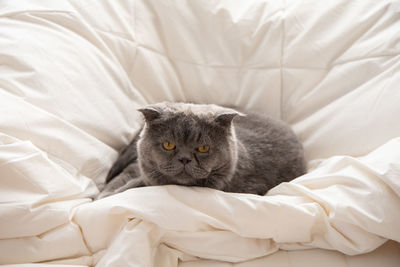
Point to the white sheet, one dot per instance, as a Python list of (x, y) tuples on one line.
[(73, 73)]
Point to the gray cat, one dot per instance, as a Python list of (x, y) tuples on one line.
[(207, 146)]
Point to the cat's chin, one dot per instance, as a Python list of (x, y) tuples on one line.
[(184, 178)]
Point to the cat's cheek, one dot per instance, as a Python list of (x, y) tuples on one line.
[(156, 158)]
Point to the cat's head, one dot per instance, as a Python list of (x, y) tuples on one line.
[(187, 144)]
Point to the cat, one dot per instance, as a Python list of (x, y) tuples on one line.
[(207, 146)]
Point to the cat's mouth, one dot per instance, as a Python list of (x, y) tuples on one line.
[(186, 179), (193, 174), (188, 176)]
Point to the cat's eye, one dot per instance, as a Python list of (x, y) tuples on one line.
[(168, 145), (203, 149)]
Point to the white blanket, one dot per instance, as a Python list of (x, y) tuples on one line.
[(73, 73)]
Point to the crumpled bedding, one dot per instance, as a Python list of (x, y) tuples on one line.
[(73, 73)]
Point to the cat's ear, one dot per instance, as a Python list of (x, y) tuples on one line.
[(150, 113), (225, 119)]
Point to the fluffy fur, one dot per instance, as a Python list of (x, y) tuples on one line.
[(247, 153)]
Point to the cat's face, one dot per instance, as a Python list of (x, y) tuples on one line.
[(187, 144)]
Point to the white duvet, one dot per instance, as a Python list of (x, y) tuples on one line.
[(73, 73)]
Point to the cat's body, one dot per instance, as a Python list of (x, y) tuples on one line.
[(208, 146)]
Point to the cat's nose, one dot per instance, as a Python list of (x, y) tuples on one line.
[(185, 160)]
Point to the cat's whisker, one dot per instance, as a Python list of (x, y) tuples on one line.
[(221, 167)]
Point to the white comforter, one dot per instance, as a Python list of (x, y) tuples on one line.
[(73, 73)]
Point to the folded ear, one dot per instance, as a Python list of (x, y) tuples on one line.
[(225, 119), (150, 113)]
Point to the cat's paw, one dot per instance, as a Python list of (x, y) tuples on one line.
[(103, 194)]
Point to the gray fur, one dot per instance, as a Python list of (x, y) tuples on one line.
[(248, 153)]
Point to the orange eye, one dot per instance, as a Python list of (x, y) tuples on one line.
[(203, 149), (168, 145)]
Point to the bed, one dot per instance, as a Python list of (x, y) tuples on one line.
[(73, 74)]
